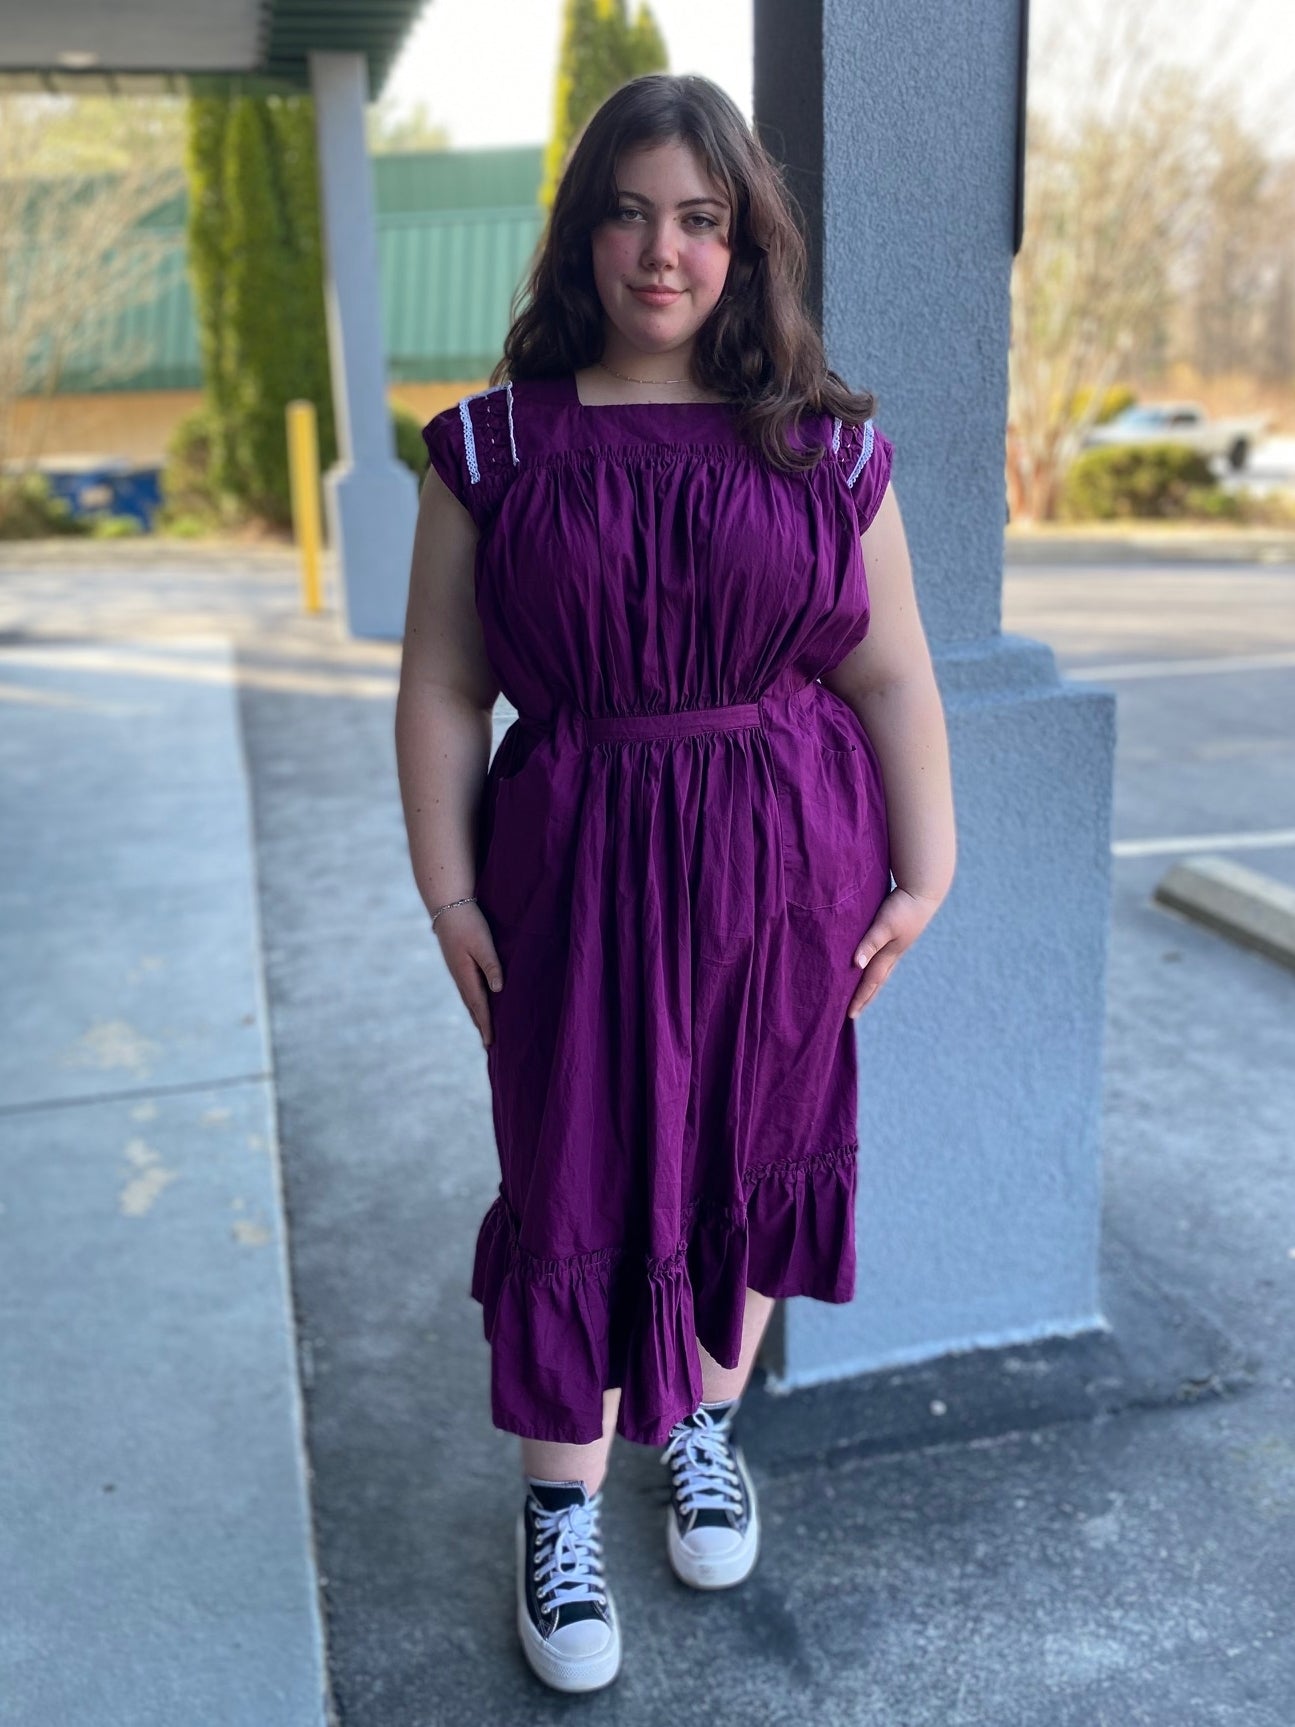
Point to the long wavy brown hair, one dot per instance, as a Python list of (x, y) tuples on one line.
[(760, 348)]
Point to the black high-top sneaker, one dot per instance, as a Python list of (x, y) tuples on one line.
[(713, 1525), (566, 1618)]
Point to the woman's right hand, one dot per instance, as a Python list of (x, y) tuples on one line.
[(469, 950)]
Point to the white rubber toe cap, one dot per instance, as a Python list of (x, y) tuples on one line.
[(584, 1637), (711, 1542)]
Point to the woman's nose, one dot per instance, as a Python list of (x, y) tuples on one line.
[(658, 248)]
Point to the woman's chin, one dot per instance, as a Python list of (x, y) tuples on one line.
[(655, 328)]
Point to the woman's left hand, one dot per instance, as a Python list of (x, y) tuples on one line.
[(900, 919)]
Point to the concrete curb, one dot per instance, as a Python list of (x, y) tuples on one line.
[(1072, 545), (1251, 908), (154, 1494)]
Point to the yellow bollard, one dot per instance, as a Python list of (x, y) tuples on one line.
[(303, 480)]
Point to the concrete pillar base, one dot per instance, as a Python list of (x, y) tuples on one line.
[(980, 1063), (370, 512)]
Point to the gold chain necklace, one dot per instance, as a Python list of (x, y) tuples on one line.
[(629, 380)]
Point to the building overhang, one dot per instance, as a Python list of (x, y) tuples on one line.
[(174, 46)]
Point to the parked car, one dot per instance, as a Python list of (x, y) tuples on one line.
[(1184, 423)]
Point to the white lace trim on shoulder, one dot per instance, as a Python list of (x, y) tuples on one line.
[(469, 441), (864, 453), (469, 435)]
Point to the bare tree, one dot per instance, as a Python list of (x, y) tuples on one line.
[(73, 253), (1113, 196), (1246, 227), (392, 129), (1276, 359), (1226, 287)]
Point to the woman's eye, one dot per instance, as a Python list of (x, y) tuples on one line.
[(704, 221)]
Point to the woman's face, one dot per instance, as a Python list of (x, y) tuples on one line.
[(671, 228)]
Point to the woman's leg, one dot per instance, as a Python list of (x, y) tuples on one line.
[(718, 1383), (588, 1463), (547, 1461), (713, 1528)]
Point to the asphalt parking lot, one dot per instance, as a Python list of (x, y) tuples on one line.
[(1201, 652)]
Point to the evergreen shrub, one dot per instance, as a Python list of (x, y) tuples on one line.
[(1137, 481)]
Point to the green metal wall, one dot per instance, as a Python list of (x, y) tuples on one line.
[(456, 231), (446, 283)]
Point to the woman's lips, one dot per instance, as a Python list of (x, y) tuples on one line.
[(657, 296)]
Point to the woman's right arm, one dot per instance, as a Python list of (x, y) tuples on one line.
[(443, 735)]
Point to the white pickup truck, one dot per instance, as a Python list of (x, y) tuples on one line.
[(1182, 423)]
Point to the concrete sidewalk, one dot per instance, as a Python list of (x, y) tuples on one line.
[(1092, 1531), (157, 1551)]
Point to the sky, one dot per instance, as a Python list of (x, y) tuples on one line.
[(485, 68)]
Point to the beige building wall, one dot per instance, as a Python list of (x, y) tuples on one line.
[(135, 424), (138, 424)]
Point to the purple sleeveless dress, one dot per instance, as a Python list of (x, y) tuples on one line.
[(682, 840)]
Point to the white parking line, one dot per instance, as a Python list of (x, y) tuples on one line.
[(1203, 842), (1184, 668)]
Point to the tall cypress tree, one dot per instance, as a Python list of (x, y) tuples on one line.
[(208, 251), (295, 127), (645, 49), (257, 272), (601, 50)]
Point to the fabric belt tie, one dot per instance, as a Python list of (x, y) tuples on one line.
[(617, 728), (677, 722)]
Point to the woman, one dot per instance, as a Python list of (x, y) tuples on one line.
[(667, 898)]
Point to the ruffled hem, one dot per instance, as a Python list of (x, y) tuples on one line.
[(562, 1330)]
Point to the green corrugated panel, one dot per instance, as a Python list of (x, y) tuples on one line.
[(447, 284), (448, 271), (501, 178), (151, 343)]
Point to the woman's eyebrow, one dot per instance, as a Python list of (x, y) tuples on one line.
[(681, 205)]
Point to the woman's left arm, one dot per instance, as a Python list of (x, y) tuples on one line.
[(890, 683)]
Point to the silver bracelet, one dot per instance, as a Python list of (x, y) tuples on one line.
[(469, 899)]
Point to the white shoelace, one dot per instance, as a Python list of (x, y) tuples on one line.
[(705, 1475), (569, 1551)]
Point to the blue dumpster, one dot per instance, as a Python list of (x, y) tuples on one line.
[(105, 486)]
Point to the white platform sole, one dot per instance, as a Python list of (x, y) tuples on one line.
[(725, 1571), (563, 1672)]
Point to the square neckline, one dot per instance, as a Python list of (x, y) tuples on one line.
[(573, 394)]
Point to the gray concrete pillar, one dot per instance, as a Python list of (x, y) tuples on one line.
[(370, 499), (980, 1063)]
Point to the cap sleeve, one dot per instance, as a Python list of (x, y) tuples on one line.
[(444, 441), (865, 456), (473, 449)]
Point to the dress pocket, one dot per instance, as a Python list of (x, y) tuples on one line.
[(518, 882), (831, 812)]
